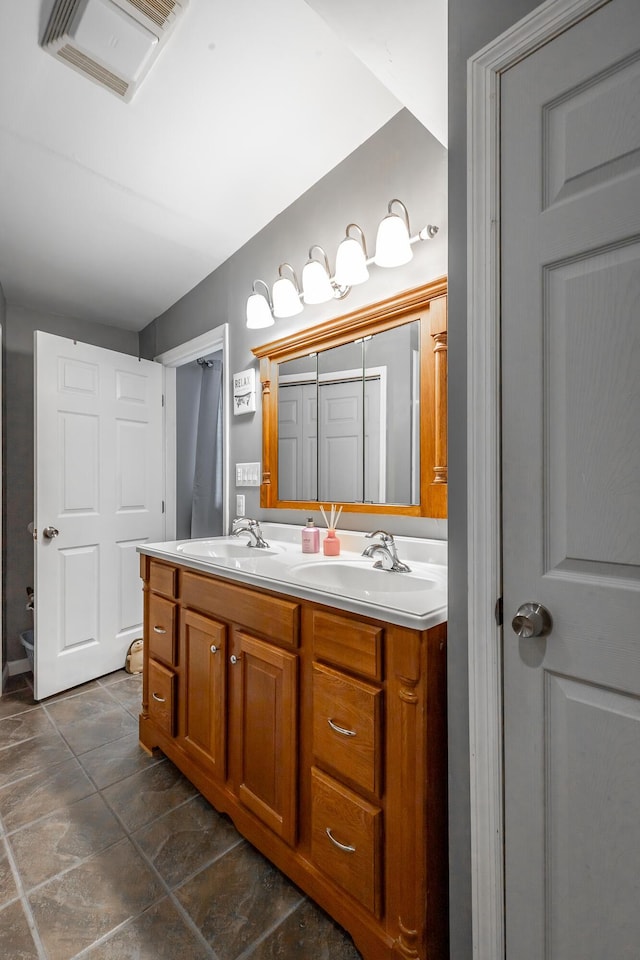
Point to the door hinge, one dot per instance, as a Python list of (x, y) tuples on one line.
[(498, 612), (163, 506), (163, 399)]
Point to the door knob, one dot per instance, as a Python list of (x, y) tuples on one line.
[(50, 533), (532, 620)]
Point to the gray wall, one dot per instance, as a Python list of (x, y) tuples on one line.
[(472, 24), (401, 160), (17, 558)]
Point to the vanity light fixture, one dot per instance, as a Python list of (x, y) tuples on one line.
[(393, 249), (393, 244), (351, 258), (259, 309), (317, 285), (286, 294)]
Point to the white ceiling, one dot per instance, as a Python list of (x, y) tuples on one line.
[(111, 211)]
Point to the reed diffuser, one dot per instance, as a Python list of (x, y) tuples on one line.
[(331, 543)]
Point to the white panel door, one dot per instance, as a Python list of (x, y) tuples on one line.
[(570, 202), (99, 484), (297, 441), (351, 440)]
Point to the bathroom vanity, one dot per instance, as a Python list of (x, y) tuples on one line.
[(310, 707)]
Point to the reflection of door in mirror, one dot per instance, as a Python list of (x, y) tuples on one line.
[(341, 424), (394, 351), (297, 429)]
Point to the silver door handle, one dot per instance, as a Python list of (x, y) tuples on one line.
[(50, 533), (532, 620), (233, 659)]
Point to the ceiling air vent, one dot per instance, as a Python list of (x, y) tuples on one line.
[(113, 42)]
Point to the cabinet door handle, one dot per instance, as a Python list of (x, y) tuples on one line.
[(214, 648), (346, 848), (235, 659), (159, 630), (342, 730), (159, 699)]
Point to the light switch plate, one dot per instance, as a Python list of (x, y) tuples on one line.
[(240, 505), (248, 474)]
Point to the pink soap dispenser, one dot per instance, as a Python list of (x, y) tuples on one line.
[(310, 537)]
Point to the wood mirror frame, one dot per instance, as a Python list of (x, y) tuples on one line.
[(428, 304)]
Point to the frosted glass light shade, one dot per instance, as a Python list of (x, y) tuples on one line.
[(286, 300), (392, 243), (351, 263), (316, 286), (258, 312)]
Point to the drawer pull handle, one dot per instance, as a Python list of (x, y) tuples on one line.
[(339, 729), (213, 648), (159, 699), (159, 630), (346, 848)]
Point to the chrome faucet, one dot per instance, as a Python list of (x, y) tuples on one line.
[(252, 527), (386, 550)]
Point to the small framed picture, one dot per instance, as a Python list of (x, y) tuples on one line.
[(244, 392)]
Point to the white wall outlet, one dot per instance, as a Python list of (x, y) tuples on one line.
[(240, 505)]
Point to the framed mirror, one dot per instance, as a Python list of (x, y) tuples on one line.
[(354, 410)]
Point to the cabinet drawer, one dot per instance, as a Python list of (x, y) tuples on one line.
[(162, 697), (161, 633), (347, 718), (268, 616), (163, 579), (346, 835), (348, 643)]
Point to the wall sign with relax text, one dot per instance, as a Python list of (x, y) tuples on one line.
[(244, 392)]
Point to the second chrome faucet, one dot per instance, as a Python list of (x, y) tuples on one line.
[(387, 553)]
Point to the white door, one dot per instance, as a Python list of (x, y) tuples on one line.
[(297, 441), (351, 433), (99, 484), (570, 211)]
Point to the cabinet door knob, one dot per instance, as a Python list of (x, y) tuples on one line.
[(159, 699), (159, 630), (346, 848), (235, 659), (341, 730), (213, 648)]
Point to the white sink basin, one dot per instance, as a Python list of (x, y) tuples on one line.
[(223, 548), (351, 577)]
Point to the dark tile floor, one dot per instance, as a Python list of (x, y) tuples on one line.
[(109, 854)]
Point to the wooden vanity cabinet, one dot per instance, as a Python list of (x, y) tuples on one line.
[(322, 734)]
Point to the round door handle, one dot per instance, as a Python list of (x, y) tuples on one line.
[(50, 533), (235, 659), (532, 620)]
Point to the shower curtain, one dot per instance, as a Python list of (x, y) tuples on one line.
[(206, 510)]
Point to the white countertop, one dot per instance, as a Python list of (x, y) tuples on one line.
[(418, 601)]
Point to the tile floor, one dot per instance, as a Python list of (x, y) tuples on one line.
[(109, 854)]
